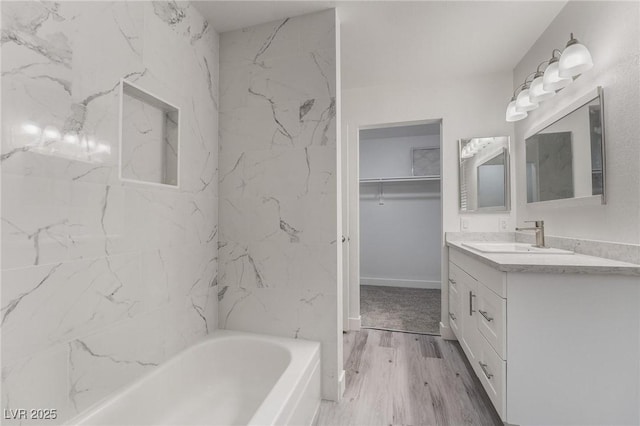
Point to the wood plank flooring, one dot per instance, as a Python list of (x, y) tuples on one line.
[(407, 379)]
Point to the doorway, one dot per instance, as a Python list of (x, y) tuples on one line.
[(400, 222)]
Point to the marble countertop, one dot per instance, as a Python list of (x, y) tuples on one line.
[(548, 263)]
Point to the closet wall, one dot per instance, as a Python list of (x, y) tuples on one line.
[(400, 225)]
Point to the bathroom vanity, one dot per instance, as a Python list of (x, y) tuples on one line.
[(554, 337)]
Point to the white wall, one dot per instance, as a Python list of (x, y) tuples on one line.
[(399, 240), (611, 31), (102, 280), (279, 217), (471, 107)]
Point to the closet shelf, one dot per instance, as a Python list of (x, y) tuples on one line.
[(401, 179)]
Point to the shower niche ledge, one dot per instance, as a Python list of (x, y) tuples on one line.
[(149, 138)]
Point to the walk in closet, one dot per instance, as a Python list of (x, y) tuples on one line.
[(400, 227)]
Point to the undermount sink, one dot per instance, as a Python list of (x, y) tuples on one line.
[(516, 248)]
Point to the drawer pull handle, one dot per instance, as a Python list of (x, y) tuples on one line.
[(471, 296), (453, 317), (484, 314), (452, 281), (485, 370)]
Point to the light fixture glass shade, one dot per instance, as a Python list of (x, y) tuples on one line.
[(537, 92), (575, 60), (523, 102), (512, 114), (552, 80)]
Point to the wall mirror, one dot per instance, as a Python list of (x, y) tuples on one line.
[(484, 174), (565, 159), (149, 138)]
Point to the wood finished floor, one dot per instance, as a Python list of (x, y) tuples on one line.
[(407, 379)]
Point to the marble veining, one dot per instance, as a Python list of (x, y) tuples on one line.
[(102, 280), (278, 220)]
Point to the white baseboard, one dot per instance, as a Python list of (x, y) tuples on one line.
[(354, 324), (447, 333), (392, 282)]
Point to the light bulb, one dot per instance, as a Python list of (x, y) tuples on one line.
[(552, 80), (575, 59), (513, 115), (31, 129), (71, 138), (51, 133), (537, 92), (523, 101)]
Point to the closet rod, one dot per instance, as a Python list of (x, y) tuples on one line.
[(401, 179)]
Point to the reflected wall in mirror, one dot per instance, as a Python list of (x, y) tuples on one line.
[(484, 174), (566, 158)]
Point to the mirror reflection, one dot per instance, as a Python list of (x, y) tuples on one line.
[(565, 159), (484, 174)]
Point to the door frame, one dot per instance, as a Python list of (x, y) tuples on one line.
[(351, 291)]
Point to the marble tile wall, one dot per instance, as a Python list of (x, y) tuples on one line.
[(101, 281), (278, 202)]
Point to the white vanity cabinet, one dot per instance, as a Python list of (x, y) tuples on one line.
[(549, 348), (481, 320)]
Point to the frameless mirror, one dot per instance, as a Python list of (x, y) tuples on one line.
[(484, 174), (565, 159), (149, 138)]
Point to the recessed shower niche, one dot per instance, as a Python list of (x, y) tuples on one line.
[(149, 137)]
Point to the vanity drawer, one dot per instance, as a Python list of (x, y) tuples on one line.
[(492, 372), (492, 319), (492, 278), (454, 309)]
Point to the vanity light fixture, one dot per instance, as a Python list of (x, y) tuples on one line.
[(561, 70), (537, 93), (512, 113), (575, 59), (515, 113), (524, 102), (552, 80)]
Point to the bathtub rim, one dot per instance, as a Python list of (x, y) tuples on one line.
[(303, 354)]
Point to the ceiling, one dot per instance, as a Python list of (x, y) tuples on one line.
[(383, 41), (232, 15)]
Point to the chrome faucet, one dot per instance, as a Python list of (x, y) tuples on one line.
[(539, 228)]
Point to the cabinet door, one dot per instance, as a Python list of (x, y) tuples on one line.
[(468, 317), (454, 309), (492, 319), (454, 299)]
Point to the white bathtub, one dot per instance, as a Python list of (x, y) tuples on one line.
[(231, 378)]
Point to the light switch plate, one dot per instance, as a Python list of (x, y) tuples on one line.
[(464, 224)]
